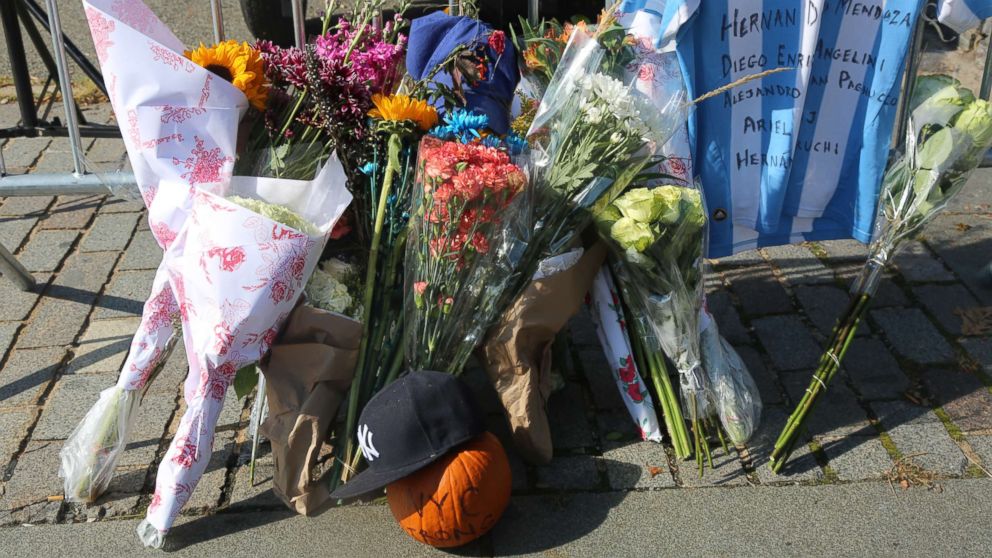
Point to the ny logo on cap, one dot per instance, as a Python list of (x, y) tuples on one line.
[(365, 442)]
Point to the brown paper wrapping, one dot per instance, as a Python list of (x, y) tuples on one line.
[(517, 351), (308, 373)]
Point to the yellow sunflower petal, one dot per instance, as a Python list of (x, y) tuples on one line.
[(237, 63)]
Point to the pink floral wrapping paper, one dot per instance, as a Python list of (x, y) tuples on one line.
[(230, 275), (608, 319), (179, 123)]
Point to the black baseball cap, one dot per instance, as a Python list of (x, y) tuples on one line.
[(410, 424)]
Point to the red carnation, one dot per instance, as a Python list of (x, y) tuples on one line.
[(497, 40)]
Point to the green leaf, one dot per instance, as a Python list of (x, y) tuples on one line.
[(245, 380)]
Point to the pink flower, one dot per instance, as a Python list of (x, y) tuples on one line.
[(419, 287), (298, 266), (186, 453), (634, 391), (155, 503), (646, 73), (280, 291), (232, 258), (227, 371)]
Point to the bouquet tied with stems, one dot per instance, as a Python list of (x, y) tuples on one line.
[(457, 264), (482, 71), (658, 234), (949, 132)]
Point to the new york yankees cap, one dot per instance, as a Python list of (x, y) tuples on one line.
[(411, 423)]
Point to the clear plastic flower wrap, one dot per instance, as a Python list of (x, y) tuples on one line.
[(465, 200), (948, 134), (92, 451), (593, 135), (734, 392)]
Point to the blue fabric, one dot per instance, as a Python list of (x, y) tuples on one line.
[(435, 36), (798, 155)]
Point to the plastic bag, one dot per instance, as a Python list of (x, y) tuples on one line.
[(94, 448), (150, 536), (738, 403)]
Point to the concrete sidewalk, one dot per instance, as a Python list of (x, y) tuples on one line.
[(859, 519)]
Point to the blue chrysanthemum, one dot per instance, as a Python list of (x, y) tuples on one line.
[(515, 144)]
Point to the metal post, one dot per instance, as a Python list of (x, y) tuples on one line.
[(534, 11), (986, 88), (18, 63), (218, 19), (299, 23), (13, 270), (909, 80), (68, 102), (452, 7)]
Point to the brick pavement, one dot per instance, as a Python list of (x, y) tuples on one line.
[(94, 257)]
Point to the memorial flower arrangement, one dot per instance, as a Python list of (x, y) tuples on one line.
[(592, 136), (456, 263), (659, 235), (948, 134), (462, 69)]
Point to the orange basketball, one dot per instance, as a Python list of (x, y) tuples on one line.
[(458, 498)]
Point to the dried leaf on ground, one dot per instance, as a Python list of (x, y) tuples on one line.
[(976, 320)]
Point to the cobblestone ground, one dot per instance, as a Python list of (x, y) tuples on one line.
[(916, 382)]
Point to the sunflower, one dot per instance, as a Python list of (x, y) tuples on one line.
[(237, 63), (401, 108)]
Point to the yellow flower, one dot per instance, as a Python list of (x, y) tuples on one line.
[(401, 108), (237, 63)]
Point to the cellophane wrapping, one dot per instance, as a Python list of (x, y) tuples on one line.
[(466, 199), (593, 135), (90, 455), (660, 233), (948, 134), (734, 392)]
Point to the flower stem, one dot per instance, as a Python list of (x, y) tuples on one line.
[(392, 164), (829, 363)]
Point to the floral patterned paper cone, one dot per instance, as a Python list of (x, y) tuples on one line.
[(237, 276), (607, 316), (180, 128), (180, 125)]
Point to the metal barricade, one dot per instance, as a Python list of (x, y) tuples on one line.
[(15, 13), (82, 182)]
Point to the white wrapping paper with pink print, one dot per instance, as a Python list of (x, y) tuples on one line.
[(179, 121), (611, 328), (237, 275), (180, 126)]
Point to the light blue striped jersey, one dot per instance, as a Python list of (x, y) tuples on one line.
[(962, 15), (798, 155)]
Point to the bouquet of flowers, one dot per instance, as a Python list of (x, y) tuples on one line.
[(453, 62), (659, 234), (948, 134), (456, 256), (239, 248), (592, 136)]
